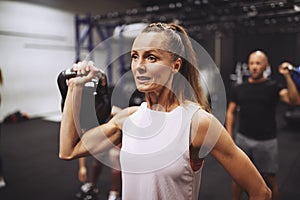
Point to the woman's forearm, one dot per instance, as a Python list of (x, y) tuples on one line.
[(70, 129), (73, 143), (246, 175), (240, 167)]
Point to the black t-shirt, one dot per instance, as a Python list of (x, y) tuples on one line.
[(257, 107)]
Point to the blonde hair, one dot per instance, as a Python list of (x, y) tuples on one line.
[(187, 85)]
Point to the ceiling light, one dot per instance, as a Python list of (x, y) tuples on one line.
[(296, 8)]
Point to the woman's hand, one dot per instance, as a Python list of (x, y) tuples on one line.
[(86, 72)]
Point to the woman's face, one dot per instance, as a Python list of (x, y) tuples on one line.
[(152, 65)]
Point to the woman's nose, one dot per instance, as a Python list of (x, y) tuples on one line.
[(140, 66)]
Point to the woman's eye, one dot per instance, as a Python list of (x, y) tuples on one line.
[(133, 56), (152, 58)]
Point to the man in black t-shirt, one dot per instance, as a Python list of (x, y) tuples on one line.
[(256, 100)]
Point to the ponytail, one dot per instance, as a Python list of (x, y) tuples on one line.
[(186, 85)]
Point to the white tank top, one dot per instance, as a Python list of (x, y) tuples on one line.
[(155, 159)]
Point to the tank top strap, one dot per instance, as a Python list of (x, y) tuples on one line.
[(191, 107)]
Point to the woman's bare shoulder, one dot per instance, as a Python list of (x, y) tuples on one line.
[(130, 110), (206, 129), (122, 115), (202, 117)]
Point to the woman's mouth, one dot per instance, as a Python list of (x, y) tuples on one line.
[(143, 78)]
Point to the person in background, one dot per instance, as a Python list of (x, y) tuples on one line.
[(2, 182), (88, 189), (256, 100), (166, 139), (295, 73)]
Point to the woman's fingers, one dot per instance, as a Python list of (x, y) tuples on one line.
[(84, 67), (86, 71)]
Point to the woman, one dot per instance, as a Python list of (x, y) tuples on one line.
[(165, 140)]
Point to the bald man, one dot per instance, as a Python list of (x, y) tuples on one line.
[(257, 99)]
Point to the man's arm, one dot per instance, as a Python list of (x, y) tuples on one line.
[(82, 172), (230, 117), (290, 95)]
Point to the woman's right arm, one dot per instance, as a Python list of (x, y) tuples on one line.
[(73, 144), (93, 141)]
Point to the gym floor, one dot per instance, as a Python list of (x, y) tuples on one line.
[(33, 171)]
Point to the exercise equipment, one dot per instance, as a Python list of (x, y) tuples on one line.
[(295, 73), (96, 102)]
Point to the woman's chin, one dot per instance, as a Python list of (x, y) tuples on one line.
[(142, 88), (145, 88)]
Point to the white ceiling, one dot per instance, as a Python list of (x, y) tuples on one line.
[(87, 6), (238, 16)]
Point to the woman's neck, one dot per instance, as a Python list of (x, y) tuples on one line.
[(165, 100)]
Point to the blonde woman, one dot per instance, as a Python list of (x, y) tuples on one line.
[(164, 138)]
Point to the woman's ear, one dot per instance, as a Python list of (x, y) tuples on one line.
[(177, 65)]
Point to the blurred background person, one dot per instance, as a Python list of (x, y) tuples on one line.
[(256, 99)]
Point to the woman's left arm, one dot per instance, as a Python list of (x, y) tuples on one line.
[(239, 166), (213, 136)]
